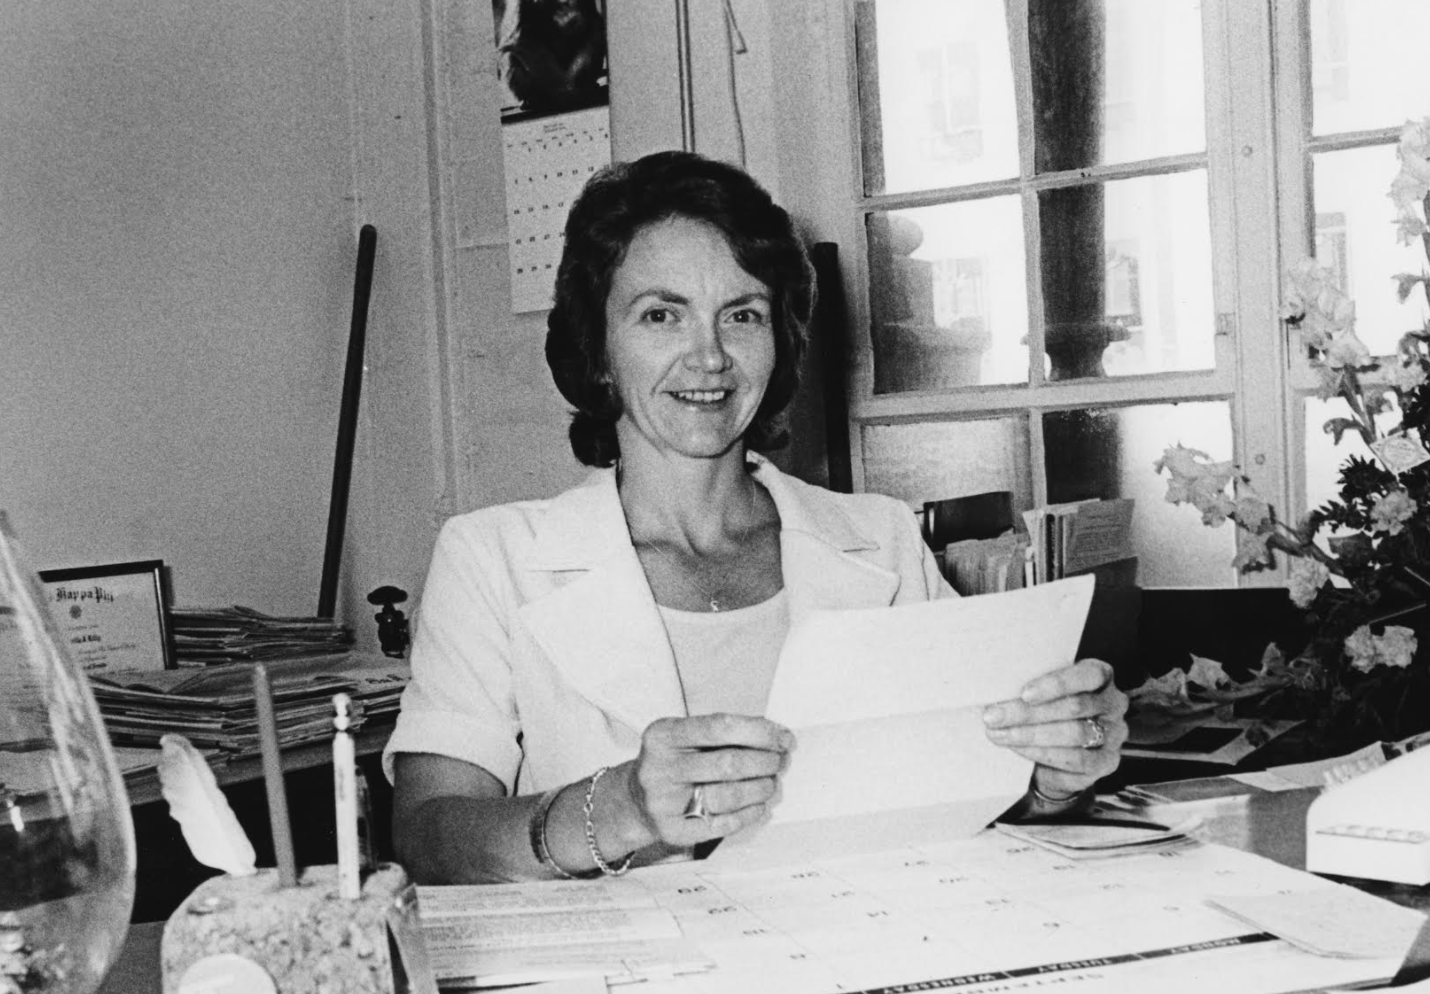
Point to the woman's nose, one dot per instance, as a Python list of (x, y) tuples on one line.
[(707, 351)]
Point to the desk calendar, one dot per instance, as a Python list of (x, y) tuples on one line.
[(987, 914), (547, 160)]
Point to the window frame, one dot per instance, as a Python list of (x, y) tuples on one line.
[(1297, 147), (1240, 161)]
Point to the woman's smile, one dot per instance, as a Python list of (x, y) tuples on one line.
[(701, 397)]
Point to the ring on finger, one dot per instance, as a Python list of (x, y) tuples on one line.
[(696, 808), (1094, 735)]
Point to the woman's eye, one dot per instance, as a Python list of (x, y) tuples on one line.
[(748, 315), (657, 315)]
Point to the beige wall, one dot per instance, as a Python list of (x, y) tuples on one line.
[(180, 206), (182, 187)]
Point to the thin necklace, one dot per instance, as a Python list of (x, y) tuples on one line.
[(690, 582)]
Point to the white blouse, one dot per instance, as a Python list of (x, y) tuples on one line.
[(726, 659)]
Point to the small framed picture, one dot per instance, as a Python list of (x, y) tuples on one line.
[(112, 617)]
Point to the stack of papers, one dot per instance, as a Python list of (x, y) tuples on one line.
[(1094, 839), (224, 635), (505, 934), (1330, 921), (213, 707)]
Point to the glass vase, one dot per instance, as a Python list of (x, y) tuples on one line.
[(66, 836)]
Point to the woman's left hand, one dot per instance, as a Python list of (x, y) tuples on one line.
[(1070, 722)]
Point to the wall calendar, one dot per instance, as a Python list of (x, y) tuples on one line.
[(556, 128), (547, 160)]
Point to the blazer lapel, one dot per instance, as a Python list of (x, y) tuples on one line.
[(818, 542), (601, 629)]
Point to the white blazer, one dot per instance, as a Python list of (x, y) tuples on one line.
[(539, 653)]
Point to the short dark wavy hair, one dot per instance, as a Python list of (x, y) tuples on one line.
[(616, 203)]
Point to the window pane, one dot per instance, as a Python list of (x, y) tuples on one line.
[(935, 94), (1127, 283), (1115, 80), (948, 294), (1355, 238), (1367, 63), (1109, 452), (937, 460)]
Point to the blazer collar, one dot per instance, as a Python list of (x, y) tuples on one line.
[(601, 627)]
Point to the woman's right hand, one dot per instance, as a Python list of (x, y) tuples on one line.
[(735, 761)]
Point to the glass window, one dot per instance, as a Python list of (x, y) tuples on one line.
[(948, 292), (1367, 63), (936, 460), (1127, 283), (1115, 81), (936, 94), (1109, 452)]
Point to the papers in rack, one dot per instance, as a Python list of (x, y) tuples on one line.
[(886, 705), (986, 565), (1079, 536)]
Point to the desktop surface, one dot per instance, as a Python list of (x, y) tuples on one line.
[(1271, 824)]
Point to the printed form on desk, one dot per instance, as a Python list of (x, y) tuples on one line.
[(986, 914)]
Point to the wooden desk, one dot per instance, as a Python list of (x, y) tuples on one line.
[(1269, 824)]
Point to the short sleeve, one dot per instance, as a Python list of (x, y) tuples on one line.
[(917, 563), (460, 700)]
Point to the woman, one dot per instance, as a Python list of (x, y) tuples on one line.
[(588, 670)]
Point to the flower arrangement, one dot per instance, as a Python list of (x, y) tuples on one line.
[(1364, 584)]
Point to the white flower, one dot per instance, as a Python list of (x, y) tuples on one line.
[(1396, 647), (1196, 480), (1314, 299), (1251, 550), (1307, 578), (1344, 349), (1411, 185), (1360, 646), (1392, 511), (1207, 673), (1252, 512)]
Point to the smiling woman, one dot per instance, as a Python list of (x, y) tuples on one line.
[(590, 671)]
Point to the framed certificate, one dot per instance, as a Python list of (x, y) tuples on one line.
[(112, 617)]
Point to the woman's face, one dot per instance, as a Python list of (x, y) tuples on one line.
[(689, 342)]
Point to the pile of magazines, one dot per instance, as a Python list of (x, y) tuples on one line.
[(234, 634), (214, 708)]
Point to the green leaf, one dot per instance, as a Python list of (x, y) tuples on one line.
[(1337, 427)]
